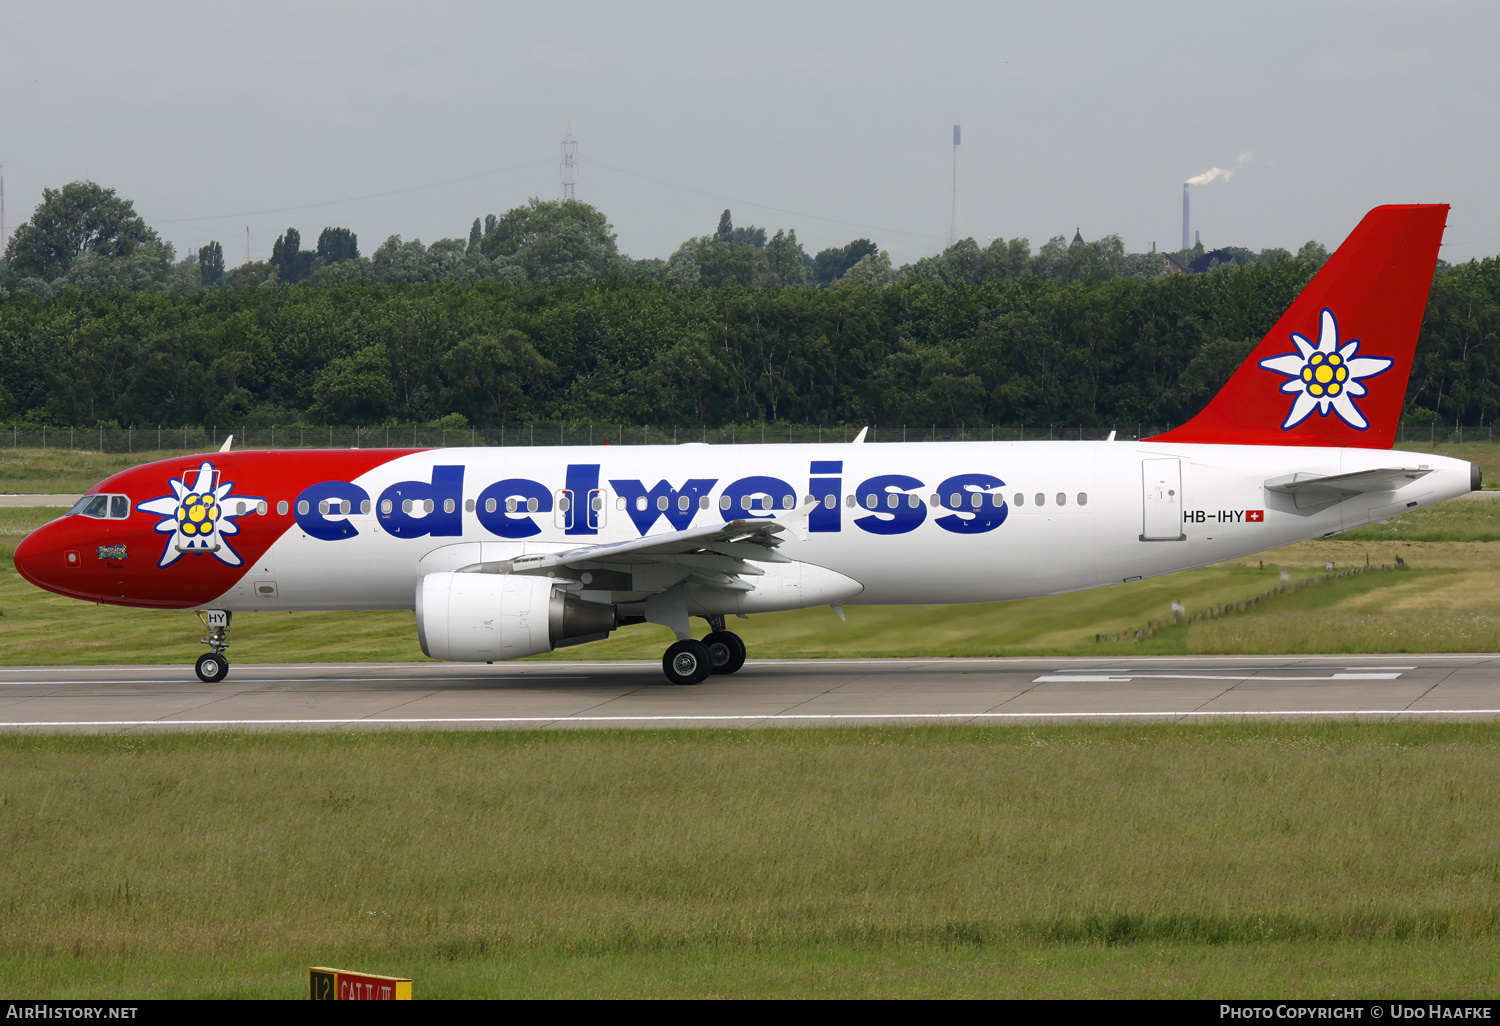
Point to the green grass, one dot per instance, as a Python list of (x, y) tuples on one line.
[(1457, 520), (1254, 860), (57, 471)]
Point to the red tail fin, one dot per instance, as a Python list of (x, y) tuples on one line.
[(1333, 370)]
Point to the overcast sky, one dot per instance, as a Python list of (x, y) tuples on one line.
[(834, 119)]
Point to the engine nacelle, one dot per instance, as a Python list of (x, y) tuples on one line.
[(481, 618)]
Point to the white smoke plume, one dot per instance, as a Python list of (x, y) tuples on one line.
[(1218, 174)]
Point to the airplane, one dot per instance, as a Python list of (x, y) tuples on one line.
[(503, 553)]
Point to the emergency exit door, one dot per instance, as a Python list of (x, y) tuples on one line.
[(1161, 481)]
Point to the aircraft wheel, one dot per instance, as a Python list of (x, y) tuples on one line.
[(725, 651), (687, 662), (212, 667)]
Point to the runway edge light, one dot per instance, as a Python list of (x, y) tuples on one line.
[(325, 984)]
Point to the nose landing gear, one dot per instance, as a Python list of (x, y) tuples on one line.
[(212, 666)]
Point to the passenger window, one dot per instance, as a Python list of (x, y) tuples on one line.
[(830, 501), (619, 502), (661, 503), (364, 506), (1062, 498), (1083, 498), (723, 502), (849, 501), (1041, 500), (385, 506), (426, 506), (510, 504), (281, 508), (788, 501), (262, 507), (703, 502), (468, 506), (447, 506), (1020, 499), (323, 508), (682, 502), (302, 508), (531, 505)]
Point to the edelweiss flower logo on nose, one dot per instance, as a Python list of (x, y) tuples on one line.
[(1326, 376), (200, 516)]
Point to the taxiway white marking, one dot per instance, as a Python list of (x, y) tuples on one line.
[(752, 718), (1123, 679), (244, 683)]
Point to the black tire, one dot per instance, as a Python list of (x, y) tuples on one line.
[(211, 668), (725, 651), (687, 662)]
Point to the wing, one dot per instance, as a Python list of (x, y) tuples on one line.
[(718, 556)]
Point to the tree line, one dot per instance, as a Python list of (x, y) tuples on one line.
[(536, 316), (1118, 351)]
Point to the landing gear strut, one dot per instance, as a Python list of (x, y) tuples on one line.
[(691, 662), (212, 666), (725, 649)]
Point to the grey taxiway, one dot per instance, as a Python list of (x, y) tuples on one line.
[(766, 693)]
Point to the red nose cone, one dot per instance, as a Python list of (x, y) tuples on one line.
[(26, 558), (43, 560)]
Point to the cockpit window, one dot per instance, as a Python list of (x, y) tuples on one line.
[(102, 507)]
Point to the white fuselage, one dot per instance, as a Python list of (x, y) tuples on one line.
[(1073, 515)]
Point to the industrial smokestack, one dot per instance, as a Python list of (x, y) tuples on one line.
[(1184, 215)]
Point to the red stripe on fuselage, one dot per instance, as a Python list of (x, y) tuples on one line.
[(193, 578)]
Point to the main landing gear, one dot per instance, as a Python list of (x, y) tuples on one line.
[(692, 662), (212, 666)]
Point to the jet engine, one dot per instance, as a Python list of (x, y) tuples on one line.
[(478, 617)]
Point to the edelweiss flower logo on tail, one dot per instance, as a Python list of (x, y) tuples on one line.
[(1326, 375), (199, 518)]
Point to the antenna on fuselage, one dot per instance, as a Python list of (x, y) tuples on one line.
[(227, 443), (860, 437)]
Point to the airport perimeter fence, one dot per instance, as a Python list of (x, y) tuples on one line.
[(206, 439)]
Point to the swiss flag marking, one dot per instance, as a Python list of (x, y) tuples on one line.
[(1255, 516)]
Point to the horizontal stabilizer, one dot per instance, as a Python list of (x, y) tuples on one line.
[(1316, 489)]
